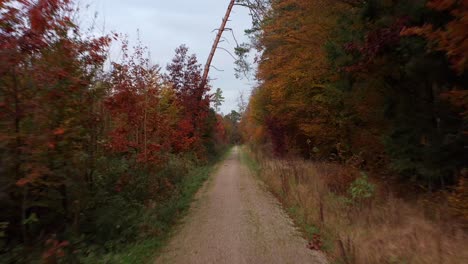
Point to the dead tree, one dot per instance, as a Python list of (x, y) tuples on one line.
[(221, 29), (257, 11)]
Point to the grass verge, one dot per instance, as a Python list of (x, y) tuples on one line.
[(353, 220), (147, 248)]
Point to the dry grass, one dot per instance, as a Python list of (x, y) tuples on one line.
[(384, 229)]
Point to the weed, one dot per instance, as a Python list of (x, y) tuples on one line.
[(361, 190), (322, 200)]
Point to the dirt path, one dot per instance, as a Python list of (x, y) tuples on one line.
[(235, 221)]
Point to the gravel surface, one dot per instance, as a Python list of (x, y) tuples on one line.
[(234, 220)]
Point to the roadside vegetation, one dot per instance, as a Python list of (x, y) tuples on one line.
[(97, 162), (359, 124), (159, 222), (356, 220)]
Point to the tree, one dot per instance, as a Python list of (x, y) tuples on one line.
[(233, 120), (388, 90), (258, 9), (137, 127), (221, 29), (83, 151), (184, 76), (46, 98), (293, 71), (452, 38), (218, 99)]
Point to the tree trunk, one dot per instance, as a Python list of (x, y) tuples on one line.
[(204, 79)]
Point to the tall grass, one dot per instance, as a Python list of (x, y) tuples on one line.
[(377, 227)]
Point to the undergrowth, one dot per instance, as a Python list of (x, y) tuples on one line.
[(170, 213), (126, 226), (353, 219), (162, 218)]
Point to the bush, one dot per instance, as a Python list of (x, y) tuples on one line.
[(361, 189)]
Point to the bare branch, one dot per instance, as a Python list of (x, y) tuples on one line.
[(234, 37), (224, 39), (221, 48), (216, 68)]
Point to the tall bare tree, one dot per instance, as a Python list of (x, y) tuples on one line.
[(216, 42), (258, 9)]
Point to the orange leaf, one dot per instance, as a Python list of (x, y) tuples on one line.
[(59, 131)]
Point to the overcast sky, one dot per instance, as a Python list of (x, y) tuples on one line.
[(165, 24)]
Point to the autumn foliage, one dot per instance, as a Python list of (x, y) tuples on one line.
[(375, 88), (377, 84), (357, 103), (85, 149)]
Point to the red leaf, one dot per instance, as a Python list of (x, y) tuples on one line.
[(22, 182)]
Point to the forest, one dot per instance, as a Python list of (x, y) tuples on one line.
[(370, 96), (374, 94), (86, 151), (382, 83)]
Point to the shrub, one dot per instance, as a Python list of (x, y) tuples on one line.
[(361, 189)]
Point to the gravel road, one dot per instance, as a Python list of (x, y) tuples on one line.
[(234, 220)]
